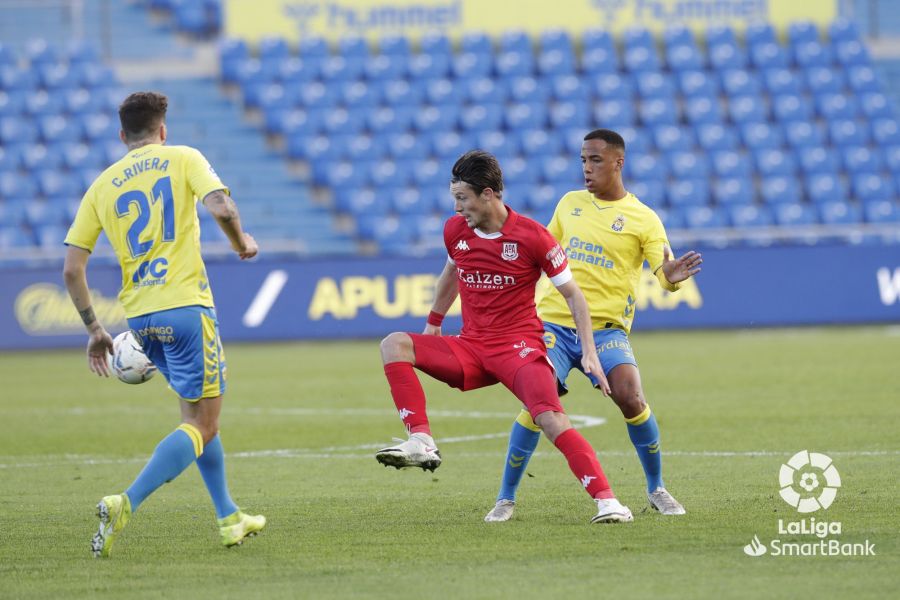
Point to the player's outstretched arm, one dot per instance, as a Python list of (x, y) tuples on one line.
[(681, 268), (225, 211), (445, 292), (581, 314), (100, 343)]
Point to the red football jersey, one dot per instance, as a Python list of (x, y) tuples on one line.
[(498, 272)]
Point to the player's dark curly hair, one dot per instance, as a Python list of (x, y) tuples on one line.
[(480, 170), (142, 113), (607, 135)]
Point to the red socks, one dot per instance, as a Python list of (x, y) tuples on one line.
[(409, 397), (584, 464)]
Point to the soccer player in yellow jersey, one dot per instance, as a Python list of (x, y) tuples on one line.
[(147, 205), (607, 234)]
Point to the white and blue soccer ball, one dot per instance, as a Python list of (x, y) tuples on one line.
[(128, 360)]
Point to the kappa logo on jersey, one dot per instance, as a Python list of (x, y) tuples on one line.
[(462, 245), (556, 256), (405, 412), (510, 251), (586, 480), (619, 223)]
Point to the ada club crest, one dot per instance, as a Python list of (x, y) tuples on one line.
[(510, 251)]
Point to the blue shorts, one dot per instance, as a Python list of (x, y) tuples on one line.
[(184, 345), (564, 351)]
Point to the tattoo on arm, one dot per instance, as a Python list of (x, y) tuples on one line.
[(221, 205), (87, 315)]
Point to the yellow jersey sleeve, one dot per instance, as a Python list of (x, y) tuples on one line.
[(653, 244), (201, 177), (86, 227)]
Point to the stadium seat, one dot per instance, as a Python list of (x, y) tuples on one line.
[(839, 213), (846, 132), (342, 68), (298, 70), (540, 198), (671, 138), (42, 103), (528, 89), (481, 116), (740, 82), (614, 113), (822, 80), (868, 187), (313, 46), (733, 190), (497, 141), (842, 30), (767, 55), (683, 57), (11, 157), (537, 142), (569, 87), (12, 103), (561, 168), (598, 57), (57, 129), (836, 106), (407, 146), (520, 170), (435, 43), (512, 63), (447, 144), (860, 159), (390, 120), (653, 84), (569, 114), (385, 66), (646, 166), (876, 105), (399, 92), (748, 215), (771, 162), (40, 51), (780, 80), (58, 76), (651, 192), (700, 110), (746, 109), (817, 160), (657, 111), (476, 42), (272, 48), (729, 163), (440, 91), (408, 200), (791, 107), (554, 62), (484, 90), (697, 84), (762, 135), (362, 147), (15, 185), (687, 165), (802, 31), (14, 78), (794, 214), (341, 120), (704, 217), (881, 211), (42, 213), (40, 156), (825, 187), (725, 55), (425, 66), (852, 53), (892, 158), (780, 189), (812, 54), (641, 58), (689, 191), (470, 64), (394, 45), (530, 115), (714, 137), (803, 134)]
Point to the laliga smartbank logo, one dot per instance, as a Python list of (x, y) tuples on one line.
[(809, 482)]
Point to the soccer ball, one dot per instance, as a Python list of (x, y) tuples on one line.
[(128, 361)]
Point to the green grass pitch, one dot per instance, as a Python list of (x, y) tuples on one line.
[(301, 422)]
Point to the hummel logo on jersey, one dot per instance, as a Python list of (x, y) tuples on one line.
[(586, 480), (405, 412), (462, 245), (576, 212)]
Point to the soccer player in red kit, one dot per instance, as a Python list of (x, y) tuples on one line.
[(495, 258)]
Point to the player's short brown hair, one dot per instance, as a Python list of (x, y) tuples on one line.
[(480, 170), (141, 113), (609, 136)]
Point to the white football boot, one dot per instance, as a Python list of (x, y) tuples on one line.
[(612, 511), (661, 500), (502, 511), (418, 451)]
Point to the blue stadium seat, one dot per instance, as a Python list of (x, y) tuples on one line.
[(542, 197), (812, 54), (599, 54), (527, 89), (15, 185), (363, 147), (316, 94), (791, 107), (771, 162), (825, 187), (515, 41), (726, 55), (892, 158), (480, 90), (41, 103), (556, 62), (733, 190), (394, 45), (531, 115), (81, 102), (569, 114), (641, 58), (635, 139), (758, 33), (440, 91), (794, 214), (537, 141), (513, 63), (614, 113), (407, 145), (860, 159), (802, 31), (646, 166), (448, 144), (12, 211), (39, 156), (886, 132), (751, 216), (313, 46), (767, 55), (740, 82), (597, 38), (13, 78), (669, 138), (427, 66), (359, 95), (298, 70), (803, 134), (713, 137), (613, 86), (519, 170), (876, 105), (342, 120), (253, 71), (11, 157), (686, 165), (683, 57), (762, 135), (272, 48), (408, 200), (817, 160), (470, 64), (780, 80), (435, 43), (839, 213), (342, 68), (57, 129), (476, 42), (385, 66), (294, 122), (697, 84), (746, 109), (40, 51), (844, 132), (12, 103), (652, 84), (836, 106), (433, 117), (822, 80), (400, 92), (843, 30), (569, 87), (561, 168), (14, 236), (555, 39), (233, 49), (700, 110), (58, 76), (690, 191), (868, 187), (851, 53), (8, 55), (863, 79), (657, 111), (390, 173), (317, 148), (651, 192), (729, 163), (497, 141), (881, 211), (780, 189), (481, 116), (344, 174), (41, 213), (704, 217)]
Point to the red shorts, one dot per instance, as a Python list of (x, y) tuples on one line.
[(469, 364)]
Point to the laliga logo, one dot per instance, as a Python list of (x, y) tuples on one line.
[(816, 478)]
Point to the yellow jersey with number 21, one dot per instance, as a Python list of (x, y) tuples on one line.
[(147, 205)]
